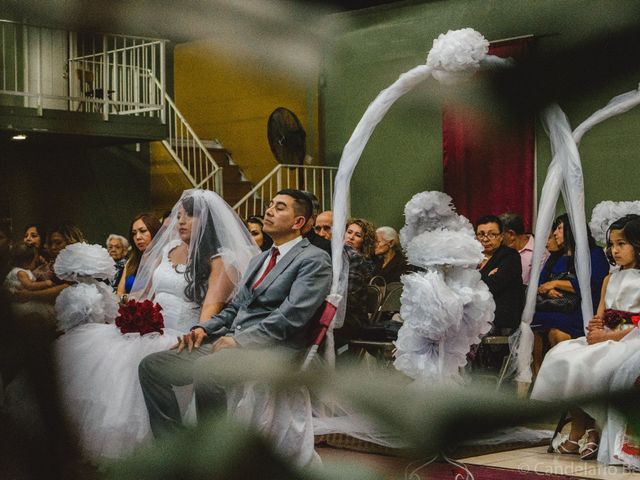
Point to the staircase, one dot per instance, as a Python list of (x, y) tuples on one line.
[(316, 179)]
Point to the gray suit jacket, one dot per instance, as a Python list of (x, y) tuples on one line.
[(279, 310)]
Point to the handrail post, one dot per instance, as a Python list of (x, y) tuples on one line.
[(105, 75), (163, 103)]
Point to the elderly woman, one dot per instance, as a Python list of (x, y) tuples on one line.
[(390, 263), (118, 247), (501, 270), (143, 228), (558, 314)]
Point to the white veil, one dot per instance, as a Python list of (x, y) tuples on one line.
[(216, 231)]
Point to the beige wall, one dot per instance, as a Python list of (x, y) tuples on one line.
[(230, 99)]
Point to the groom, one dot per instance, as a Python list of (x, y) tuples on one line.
[(277, 297)]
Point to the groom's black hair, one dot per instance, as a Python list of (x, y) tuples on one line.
[(301, 205)]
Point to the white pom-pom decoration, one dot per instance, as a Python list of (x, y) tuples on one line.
[(81, 261), (444, 247), (430, 211), (79, 304), (429, 306), (446, 308), (456, 55), (607, 212)]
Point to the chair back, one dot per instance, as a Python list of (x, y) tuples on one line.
[(391, 302), (374, 300), (379, 282)]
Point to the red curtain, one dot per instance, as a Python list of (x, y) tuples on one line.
[(488, 162)]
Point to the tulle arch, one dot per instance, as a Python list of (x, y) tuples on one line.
[(454, 56), (565, 177)]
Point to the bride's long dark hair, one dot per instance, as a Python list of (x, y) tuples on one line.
[(199, 265)]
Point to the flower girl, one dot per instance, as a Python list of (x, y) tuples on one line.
[(586, 366)]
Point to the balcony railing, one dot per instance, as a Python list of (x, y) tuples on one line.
[(316, 179), (62, 70)]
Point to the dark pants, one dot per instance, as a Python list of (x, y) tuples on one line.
[(160, 371)]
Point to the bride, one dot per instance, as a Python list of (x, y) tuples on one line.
[(191, 270)]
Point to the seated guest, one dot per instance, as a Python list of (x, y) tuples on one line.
[(358, 238), (24, 259), (538, 345), (255, 226), (515, 237), (501, 270), (118, 247), (34, 236), (361, 236), (604, 360), (143, 228), (324, 224), (308, 230), (558, 315), (390, 262), (57, 239)]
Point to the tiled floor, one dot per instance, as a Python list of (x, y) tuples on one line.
[(538, 460)]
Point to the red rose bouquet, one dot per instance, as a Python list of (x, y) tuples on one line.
[(620, 320), (140, 317)]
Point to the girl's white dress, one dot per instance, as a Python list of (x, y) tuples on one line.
[(98, 369), (574, 368), (11, 284)]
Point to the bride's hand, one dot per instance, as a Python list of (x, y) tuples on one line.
[(190, 340)]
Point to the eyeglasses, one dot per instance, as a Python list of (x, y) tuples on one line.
[(320, 228), (490, 235)]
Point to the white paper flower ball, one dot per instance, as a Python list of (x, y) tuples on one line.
[(80, 261), (456, 55), (443, 247), (607, 212), (429, 306)]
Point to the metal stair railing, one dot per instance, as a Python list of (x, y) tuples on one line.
[(188, 151), (314, 178)]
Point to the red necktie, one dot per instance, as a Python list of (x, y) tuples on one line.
[(272, 263)]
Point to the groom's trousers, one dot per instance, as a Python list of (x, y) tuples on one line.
[(160, 371)]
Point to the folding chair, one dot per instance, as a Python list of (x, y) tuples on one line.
[(379, 282), (374, 300)]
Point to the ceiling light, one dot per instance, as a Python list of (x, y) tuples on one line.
[(20, 136)]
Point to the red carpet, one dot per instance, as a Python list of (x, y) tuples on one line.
[(445, 471)]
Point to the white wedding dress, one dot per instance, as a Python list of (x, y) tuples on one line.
[(98, 369), (575, 368)]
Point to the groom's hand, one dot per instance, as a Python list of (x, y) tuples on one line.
[(190, 340)]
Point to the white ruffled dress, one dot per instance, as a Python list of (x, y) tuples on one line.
[(575, 368), (98, 370)]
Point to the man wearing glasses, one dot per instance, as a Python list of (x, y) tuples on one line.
[(501, 270)]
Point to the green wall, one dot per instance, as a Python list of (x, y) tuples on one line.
[(404, 154), (98, 188)]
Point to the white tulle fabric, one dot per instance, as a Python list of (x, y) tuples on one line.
[(98, 366), (455, 55), (89, 300), (211, 216), (607, 212), (564, 175)]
